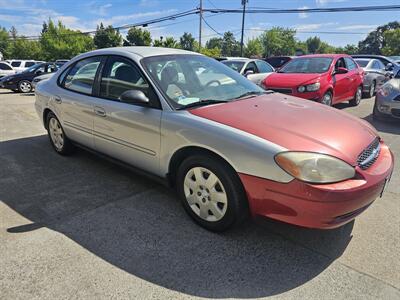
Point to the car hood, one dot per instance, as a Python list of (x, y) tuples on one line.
[(290, 80), (295, 124)]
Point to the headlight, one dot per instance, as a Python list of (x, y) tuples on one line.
[(314, 167), (386, 89), (309, 88)]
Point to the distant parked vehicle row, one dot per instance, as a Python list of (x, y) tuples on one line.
[(278, 61), (21, 65), (22, 82)]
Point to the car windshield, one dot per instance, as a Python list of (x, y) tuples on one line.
[(307, 65), (190, 80), (234, 65), (362, 62), (33, 68)]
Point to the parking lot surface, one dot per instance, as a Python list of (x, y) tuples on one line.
[(83, 227)]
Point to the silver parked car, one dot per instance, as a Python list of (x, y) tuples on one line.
[(387, 100), (375, 74), (255, 70), (229, 147)]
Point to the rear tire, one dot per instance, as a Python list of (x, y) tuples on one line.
[(372, 89), (60, 142), (211, 193), (357, 97), (24, 86)]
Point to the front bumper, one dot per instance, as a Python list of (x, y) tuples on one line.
[(314, 96), (323, 205)]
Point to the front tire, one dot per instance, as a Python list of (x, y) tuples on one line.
[(211, 193), (61, 144), (327, 99), (24, 86), (372, 89), (357, 97)]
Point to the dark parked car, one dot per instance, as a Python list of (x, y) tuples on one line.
[(22, 82), (278, 61)]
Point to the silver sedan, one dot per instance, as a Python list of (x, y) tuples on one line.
[(229, 147), (375, 74), (256, 70), (387, 100)]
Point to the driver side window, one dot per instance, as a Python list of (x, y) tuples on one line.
[(340, 63), (119, 76), (251, 67)]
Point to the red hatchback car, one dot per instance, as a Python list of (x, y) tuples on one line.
[(325, 78)]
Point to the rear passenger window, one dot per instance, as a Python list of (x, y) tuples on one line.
[(80, 78), (119, 76), (263, 67), (5, 67), (16, 64)]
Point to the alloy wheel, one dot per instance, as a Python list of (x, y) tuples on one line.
[(25, 86), (372, 90), (358, 95), (205, 194), (327, 99), (56, 134)]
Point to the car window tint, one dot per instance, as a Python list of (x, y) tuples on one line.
[(263, 67), (29, 64), (81, 76), (120, 76), (375, 65), (350, 64), (16, 64), (5, 67), (251, 66)]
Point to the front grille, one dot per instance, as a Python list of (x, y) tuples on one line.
[(283, 91), (397, 98), (369, 155)]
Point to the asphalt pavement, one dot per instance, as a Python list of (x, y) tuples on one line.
[(81, 227)]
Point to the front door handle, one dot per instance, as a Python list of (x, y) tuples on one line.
[(99, 111), (57, 99)]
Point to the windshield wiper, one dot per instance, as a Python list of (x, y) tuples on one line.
[(252, 93), (202, 103)]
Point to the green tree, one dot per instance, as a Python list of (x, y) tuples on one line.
[(187, 42), (139, 37), (392, 38), (253, 48), (214, 43), (376, 40), (230, 46), (279, 41), (313, 44), (158, 42), (24, 49), (4, 40), (106, 37), (170, 42), (60, 42), (215, 52)]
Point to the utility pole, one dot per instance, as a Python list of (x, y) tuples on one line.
[(201, 21), (244, 13)]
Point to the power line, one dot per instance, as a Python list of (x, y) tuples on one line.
[(212, 28)]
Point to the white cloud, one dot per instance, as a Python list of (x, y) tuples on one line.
[(325, 2), (303, 15), (358, 27), (118, 20), (148, 3), (313, 26)]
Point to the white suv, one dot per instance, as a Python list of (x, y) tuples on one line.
[(20, 65), (6, 69)]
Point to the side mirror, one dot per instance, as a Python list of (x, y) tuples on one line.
[(389, 67), (341, 70), (248, 72), (134, 97)]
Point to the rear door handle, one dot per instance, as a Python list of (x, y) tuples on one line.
[(57, 99), (99, 111)]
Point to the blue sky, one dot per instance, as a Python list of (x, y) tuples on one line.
[(28, 15)]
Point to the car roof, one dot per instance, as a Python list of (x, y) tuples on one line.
[(143, 51), (323, 55), (239, 60)]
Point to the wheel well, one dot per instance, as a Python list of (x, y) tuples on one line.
[(179, 156), (45, 114)]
